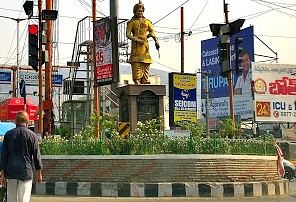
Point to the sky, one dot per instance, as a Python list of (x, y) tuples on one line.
[(274, 24)]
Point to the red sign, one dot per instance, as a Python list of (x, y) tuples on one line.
[(263, 109), (284, 86), (104, 65), (12, 106)]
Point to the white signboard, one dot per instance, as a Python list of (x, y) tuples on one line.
[(177, 133), (275, 92), (31, 78)]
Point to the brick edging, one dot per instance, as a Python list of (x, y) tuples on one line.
[(191, 189)]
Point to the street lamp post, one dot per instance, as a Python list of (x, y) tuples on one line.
[(16, 80)]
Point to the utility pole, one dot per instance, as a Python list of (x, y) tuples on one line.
[(96, 89), (182, 40), (229, 73), (115, 55), (17, 59)]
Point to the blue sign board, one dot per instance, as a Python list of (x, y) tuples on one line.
[(5, 77), (218, 85), (57, 80), (182, 94)]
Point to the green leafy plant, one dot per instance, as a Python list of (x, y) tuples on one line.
[(228, 128), (150, 139), (62, 131)]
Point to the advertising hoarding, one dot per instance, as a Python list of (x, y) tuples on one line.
[(274, 92), (182, 95), (5, 77), (218, 86), (104, 66), (32, 78)]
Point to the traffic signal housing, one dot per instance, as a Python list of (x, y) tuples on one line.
[(33, 46), (28, 7), (23, 88), (223, 58), (238, 59)]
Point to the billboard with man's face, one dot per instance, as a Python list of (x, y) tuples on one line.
[(218, 86)]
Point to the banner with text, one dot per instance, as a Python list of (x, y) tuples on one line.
[(31, 79), (5, 77), (218, 86), (104, 66), (182, 95), (275, 92)]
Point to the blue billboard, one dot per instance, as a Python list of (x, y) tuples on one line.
[(182, 95), (5, 77), (218, 85), (57, 80)]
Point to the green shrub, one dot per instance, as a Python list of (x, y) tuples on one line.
[(148, 138)]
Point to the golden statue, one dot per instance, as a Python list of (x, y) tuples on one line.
[(140, 58)]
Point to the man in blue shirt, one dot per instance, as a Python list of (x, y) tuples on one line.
[(20, 150)]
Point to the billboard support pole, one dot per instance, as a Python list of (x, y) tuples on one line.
[(207, 103), (229, 74)]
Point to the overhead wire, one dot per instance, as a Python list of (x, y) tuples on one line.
[(170, 12), (268, 4), (9, 57), (199, 14)]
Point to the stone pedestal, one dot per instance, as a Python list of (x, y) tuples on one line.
[(140, 103)]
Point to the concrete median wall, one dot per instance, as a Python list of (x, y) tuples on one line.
[(160, 168)]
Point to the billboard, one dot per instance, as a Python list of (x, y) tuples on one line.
[(218, 86), (182, 98), (32, 78), (5, 77), (274, 92), (104, 66)]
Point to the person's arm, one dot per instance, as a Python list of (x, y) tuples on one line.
[(152, 34), (238, 89), (4, 154), (39, 176), (37, 158), (129, 33), (3, 179)]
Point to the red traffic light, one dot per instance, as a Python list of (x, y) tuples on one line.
[(33, 29)]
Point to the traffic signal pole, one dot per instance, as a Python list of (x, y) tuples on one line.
[(47, 119), (229, 73), (40, 106)]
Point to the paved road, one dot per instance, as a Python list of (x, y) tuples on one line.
[(290, 198)]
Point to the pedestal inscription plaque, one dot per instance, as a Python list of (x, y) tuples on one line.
[(147, 106)]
